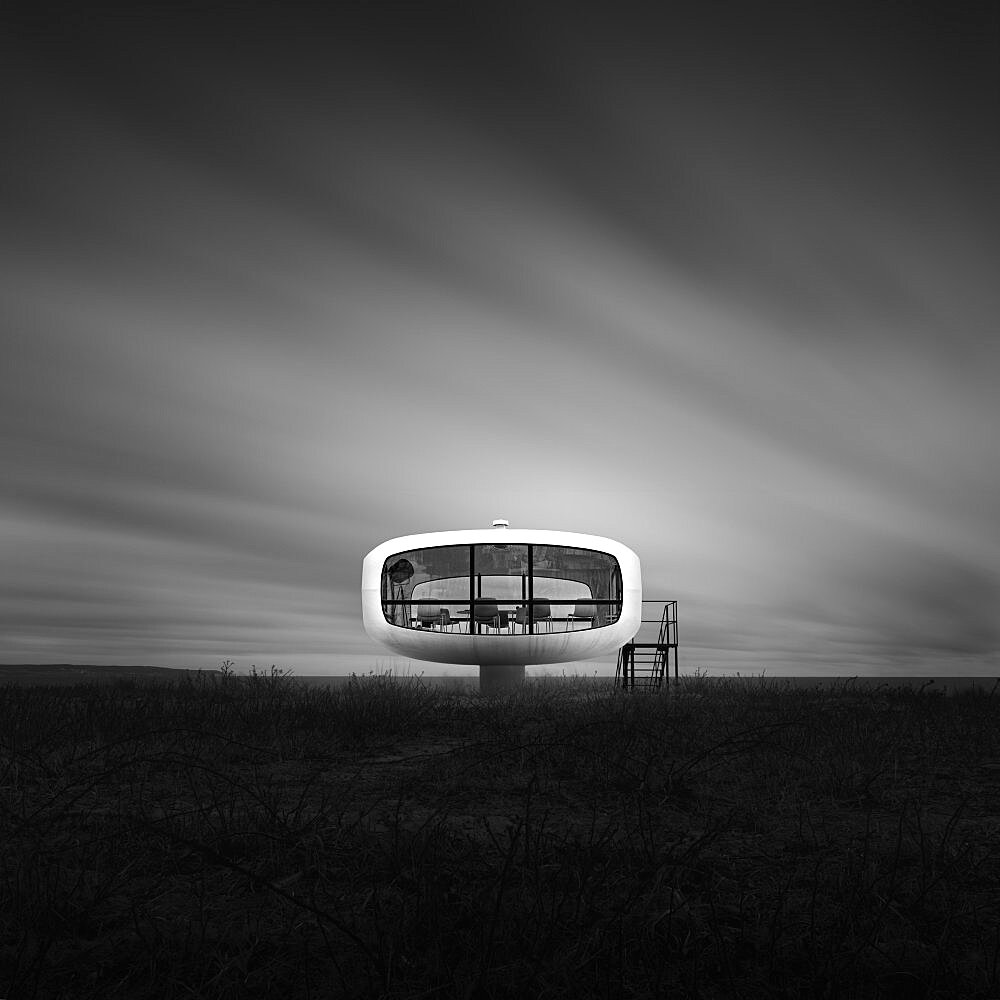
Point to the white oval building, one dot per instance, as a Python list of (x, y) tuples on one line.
[(501, 597)]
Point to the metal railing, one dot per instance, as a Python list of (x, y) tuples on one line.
[(647, 664)]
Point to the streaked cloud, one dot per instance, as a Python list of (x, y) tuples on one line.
[(267, 305)]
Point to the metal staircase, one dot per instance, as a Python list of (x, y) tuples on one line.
[(646, 665)]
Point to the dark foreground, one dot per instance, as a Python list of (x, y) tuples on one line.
[(217, 836)]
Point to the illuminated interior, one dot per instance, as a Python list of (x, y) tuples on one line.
[(501, 589)]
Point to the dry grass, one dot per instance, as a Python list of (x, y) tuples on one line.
[(219, 836)]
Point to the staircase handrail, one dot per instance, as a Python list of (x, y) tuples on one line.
[(666, 640)]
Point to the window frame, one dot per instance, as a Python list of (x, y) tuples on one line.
[(475, 584)]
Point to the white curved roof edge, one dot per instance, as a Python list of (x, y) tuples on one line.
[(502, 536), (556, 647)]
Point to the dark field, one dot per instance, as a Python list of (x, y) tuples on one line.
[(220, 836)]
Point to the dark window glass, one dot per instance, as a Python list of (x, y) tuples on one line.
[(502, 587), (578, 583), (501, 572), (438, 574)]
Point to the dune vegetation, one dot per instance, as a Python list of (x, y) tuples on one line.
[(224, 836)]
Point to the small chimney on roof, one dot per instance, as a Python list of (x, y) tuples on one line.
[(501, 523)]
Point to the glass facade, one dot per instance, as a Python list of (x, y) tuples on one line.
[(501, 589)]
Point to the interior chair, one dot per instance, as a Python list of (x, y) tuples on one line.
[(487, 613), (583, 612), (429, 615), (542, 614)]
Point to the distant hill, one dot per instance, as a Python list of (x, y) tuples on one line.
[(83, 673)]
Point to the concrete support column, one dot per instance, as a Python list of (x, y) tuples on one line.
[(495, 678)]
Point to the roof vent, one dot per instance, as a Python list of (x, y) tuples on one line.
[(501, 523)]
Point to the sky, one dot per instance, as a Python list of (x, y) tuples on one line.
[(718, 282)]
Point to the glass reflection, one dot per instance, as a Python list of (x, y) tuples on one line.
[(499, 588)]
